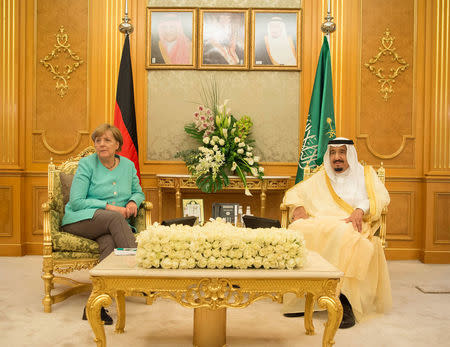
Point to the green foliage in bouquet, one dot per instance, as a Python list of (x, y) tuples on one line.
[(225, 146)]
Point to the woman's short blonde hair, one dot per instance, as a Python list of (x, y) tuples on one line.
[(102, 129)]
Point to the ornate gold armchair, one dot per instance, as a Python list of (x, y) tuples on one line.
[(64, 252), (381, 232)]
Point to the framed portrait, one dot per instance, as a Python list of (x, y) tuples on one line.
[(223, 39), (194, 207), (276, 40), (171, 38)]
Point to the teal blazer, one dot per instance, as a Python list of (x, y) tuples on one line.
[(94, 186)]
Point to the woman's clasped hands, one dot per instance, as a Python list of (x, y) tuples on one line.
[(128, 211)]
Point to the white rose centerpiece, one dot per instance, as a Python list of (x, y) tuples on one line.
[(219, 245)]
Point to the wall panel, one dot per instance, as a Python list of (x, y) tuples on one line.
[(442, 218), (11, 240), (387, 124), (61, 79), (6, 208)]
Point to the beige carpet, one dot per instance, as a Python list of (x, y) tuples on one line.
[(417, 319)]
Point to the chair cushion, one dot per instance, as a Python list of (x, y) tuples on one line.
[(74, 255), (63, 242), (66, 184)]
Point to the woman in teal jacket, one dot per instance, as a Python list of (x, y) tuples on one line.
[(105, 192)]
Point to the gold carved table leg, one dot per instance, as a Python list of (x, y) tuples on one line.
[(309, 308), (263, 202), (335, 311), (178, 210), (120, 304), (160, 204), (95, 302), (210, 327)]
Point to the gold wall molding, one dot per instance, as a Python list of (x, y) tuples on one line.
[(399, 65), (9, 83), (50, 148), (385, 156), (440, 108), (62, 77)]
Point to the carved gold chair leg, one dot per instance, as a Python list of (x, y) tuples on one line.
[(48, 286)]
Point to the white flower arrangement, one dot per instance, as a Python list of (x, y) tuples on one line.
[(219, 245)]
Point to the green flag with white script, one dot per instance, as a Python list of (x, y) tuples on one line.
[(320, 126)]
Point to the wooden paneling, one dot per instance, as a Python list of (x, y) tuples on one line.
[(437, 227), (405, 222), (400, 219), (11, 239), (6, 208), (442, 218)]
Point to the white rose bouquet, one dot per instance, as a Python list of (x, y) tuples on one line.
[(219, 245)]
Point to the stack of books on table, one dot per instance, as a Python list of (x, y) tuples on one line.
[(125, 251)]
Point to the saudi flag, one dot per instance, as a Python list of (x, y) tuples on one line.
[(320, 126)]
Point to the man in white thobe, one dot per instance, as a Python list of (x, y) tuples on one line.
[(338, 211)]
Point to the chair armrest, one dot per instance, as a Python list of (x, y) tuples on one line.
[(383, 227), (47, 246), (147, 206), (284, 215)]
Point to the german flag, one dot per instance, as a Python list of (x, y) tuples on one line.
[(124, 112)]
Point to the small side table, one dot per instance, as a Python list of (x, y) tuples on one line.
[(180, 183)]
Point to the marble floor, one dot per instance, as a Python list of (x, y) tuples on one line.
[(417, 318)]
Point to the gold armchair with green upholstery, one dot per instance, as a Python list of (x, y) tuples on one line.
[(381, 232), (64, 252)]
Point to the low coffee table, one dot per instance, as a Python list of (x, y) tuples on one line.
[(211, 292)]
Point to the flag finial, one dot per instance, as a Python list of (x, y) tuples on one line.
[(328, 26), (126, 27)]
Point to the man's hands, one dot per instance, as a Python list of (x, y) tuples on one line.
[(356, 219), (298, 213), (129, 210)]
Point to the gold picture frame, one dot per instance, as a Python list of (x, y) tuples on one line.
[(223, 39), (171, 38), (276, 39), (194, 207)]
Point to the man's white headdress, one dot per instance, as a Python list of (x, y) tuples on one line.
[(355, 168)]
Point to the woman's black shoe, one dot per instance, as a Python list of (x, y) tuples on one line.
[(294, 314), (106, 318), (348, 318)]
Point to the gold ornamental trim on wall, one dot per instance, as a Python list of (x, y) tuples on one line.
[(386, 82), (62, 77)]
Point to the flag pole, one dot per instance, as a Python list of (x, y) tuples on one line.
[(124, 110)]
